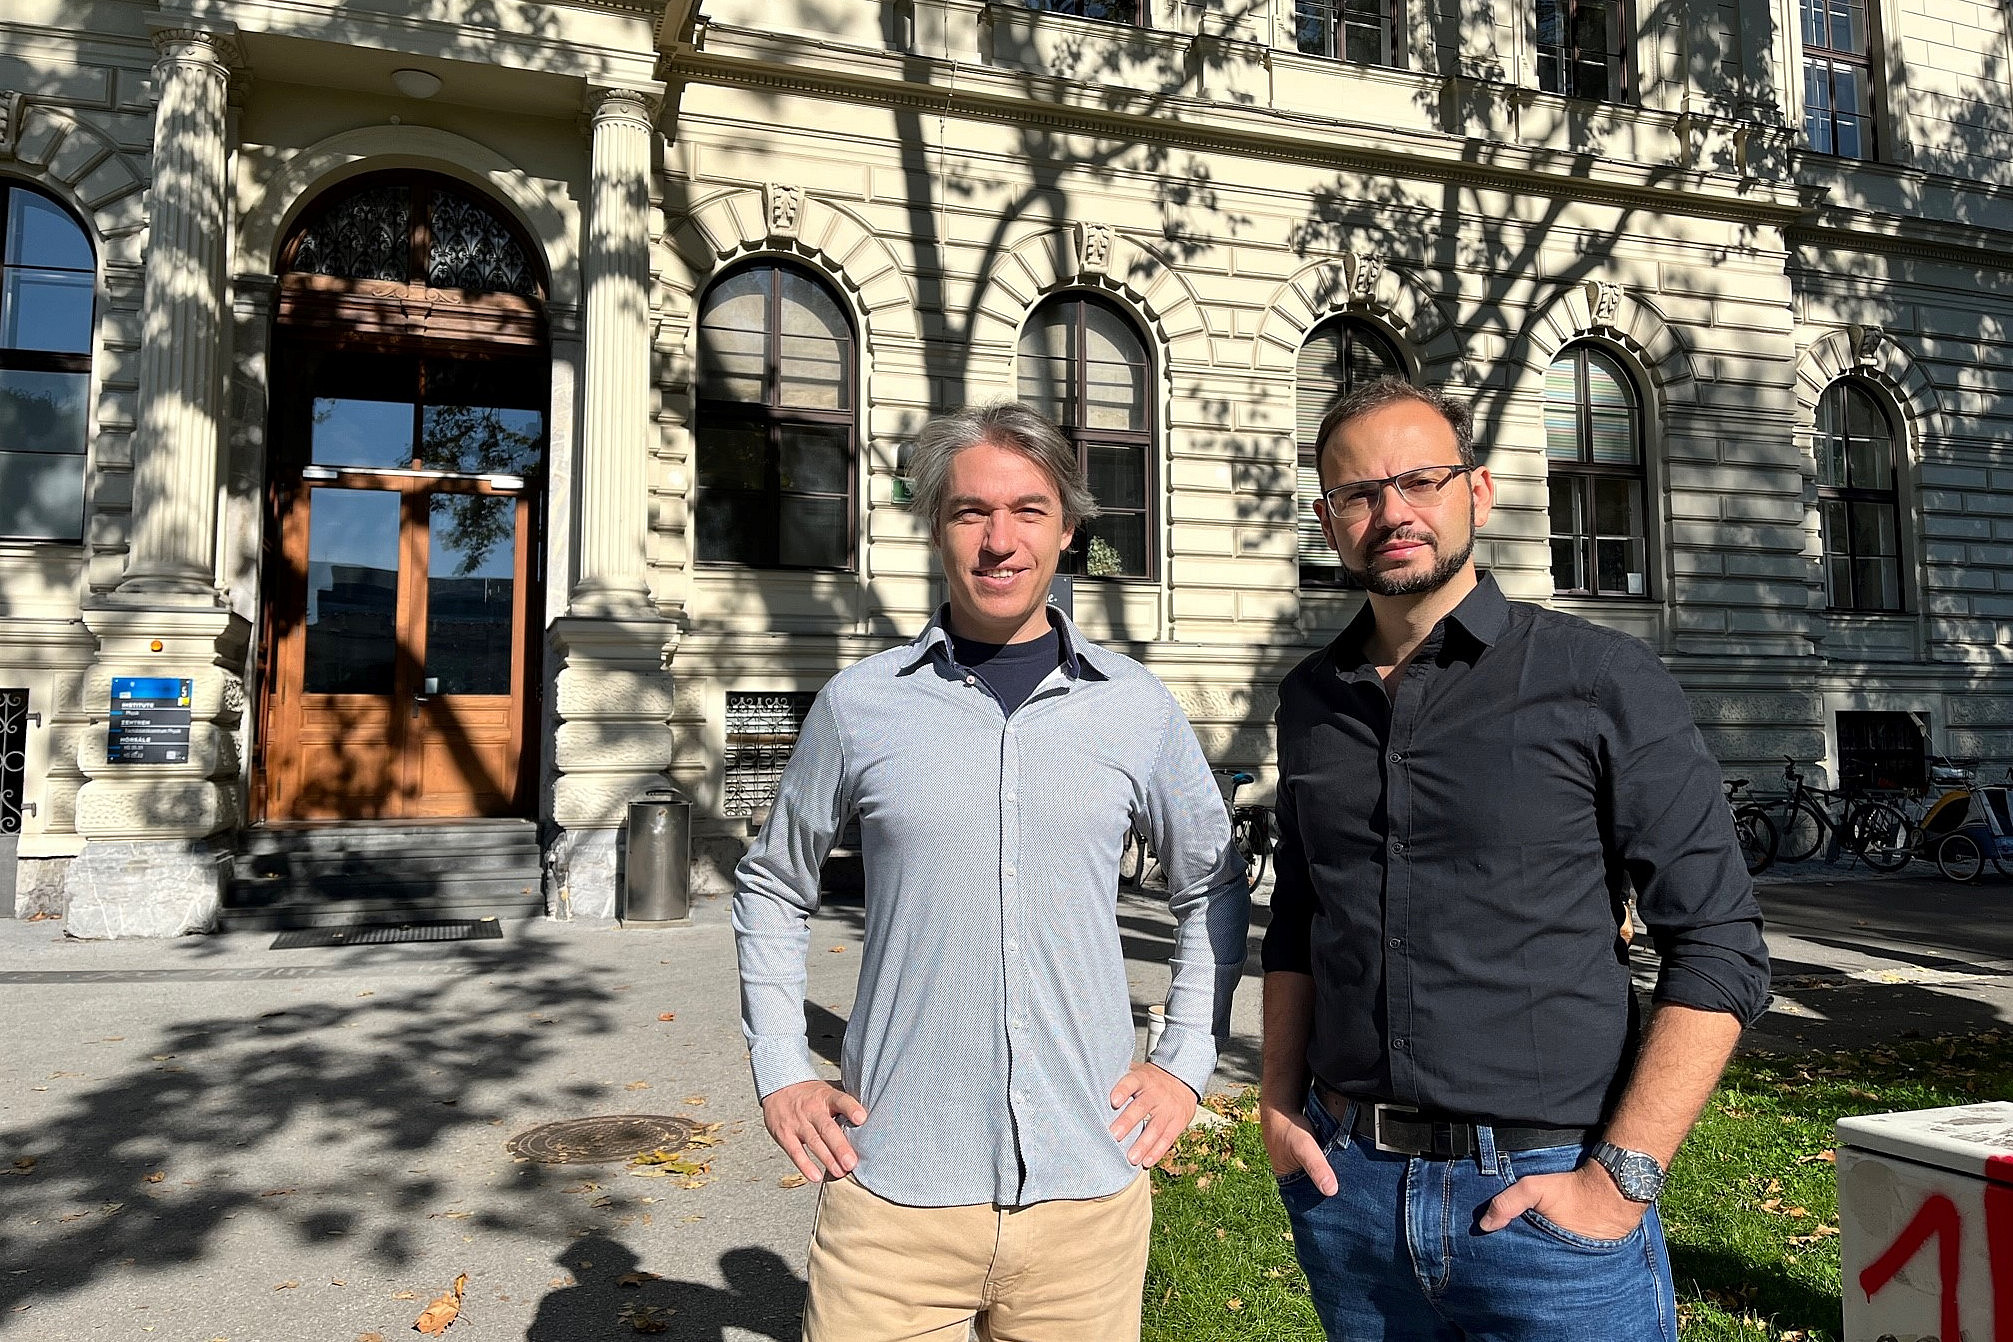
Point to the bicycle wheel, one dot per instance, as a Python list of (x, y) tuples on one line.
[(1757, 838), (1959, 858), (1243, 834), (1799, 832), (1881, 835)]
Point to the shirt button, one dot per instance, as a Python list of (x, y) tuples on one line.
[(1009, 871), (971, 680), (1397, 1045), (1396, 942), (1397, 757), (1397, 845)]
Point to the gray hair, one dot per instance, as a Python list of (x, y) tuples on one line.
[(1008, 424), (1373, 396)]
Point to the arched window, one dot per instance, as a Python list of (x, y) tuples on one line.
[(1594, 447), (1857, 491), (775, 422), (1084, 365), (1342, 355), (47, 283)]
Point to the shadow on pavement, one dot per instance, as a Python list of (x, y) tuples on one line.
[(312, 1124), (762, 1296)]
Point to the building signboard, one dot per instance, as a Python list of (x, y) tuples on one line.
[(150, 720)]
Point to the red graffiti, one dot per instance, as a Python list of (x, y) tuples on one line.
[(1999, 1243), (1938, 1217)]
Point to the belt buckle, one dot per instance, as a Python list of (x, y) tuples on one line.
[(1377, 1112)]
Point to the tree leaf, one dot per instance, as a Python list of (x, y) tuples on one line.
[(445, 1309)]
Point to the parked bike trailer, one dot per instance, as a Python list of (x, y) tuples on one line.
[(1966, 828)]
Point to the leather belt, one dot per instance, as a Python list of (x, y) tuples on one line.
[(1412, 1132)]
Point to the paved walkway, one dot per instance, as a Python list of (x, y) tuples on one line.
[(235, 1142)]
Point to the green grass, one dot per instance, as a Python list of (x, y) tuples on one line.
[(1751, 1211)]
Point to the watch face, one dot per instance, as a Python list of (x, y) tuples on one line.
[(1641, 1177), (1638, 1176)]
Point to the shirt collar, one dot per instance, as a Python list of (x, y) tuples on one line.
[(1482, 615), (1080, 656)]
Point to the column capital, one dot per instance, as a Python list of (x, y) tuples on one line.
[(179, 41), (616, 103)]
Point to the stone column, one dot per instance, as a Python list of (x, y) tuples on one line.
[(613, 739), (173, 546), (615, 415), (151, 865)]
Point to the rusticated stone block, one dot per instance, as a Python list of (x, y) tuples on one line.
[(145, 889)]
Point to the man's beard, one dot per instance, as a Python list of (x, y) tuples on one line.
[(1445, 566)]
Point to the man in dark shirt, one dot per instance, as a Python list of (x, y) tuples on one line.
[(1468, 1120)]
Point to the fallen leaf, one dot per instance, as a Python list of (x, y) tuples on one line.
[(434, 1319), (403, 1295), (838, 950), (338, 1281), (157, 1176), (370, 1337), (667, 1015), (637, 1085), (646, 1318), (286, 1286), (696, 1101), (24, 1165), (1233, 1303), (792, 1181), (636, 1278), (448, 1216), (562, 1281), (276, 1192), (1827, 1157)]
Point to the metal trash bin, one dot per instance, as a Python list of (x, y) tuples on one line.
[(657, 873)]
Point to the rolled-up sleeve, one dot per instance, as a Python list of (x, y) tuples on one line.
[(1190, 831), (775, 894), (1674, 836)]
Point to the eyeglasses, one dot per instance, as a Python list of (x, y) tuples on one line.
[(1355, 500)]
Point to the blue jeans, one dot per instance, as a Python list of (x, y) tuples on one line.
[(1397, 1252)]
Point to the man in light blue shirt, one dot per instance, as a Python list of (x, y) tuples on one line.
[(984, 1151)]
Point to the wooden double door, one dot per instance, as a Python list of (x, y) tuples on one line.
[(403, 567)]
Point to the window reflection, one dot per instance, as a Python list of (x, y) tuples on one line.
[(352, 611), (470, 593)]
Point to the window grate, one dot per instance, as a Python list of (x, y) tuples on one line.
[(762, 731), (13, 758)]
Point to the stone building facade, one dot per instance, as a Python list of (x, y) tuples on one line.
[(579, 343)]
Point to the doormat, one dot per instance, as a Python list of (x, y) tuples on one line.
[(390, 934)]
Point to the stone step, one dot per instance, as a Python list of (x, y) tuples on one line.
[(395, 837), (381, 907), (383, 865)]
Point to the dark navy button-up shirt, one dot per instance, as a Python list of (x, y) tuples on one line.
[(1454, 857)]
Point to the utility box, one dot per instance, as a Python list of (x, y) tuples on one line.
[(657, 865), (1925, 1212)]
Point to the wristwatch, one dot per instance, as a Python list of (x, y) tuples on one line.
[(1636, 1173)]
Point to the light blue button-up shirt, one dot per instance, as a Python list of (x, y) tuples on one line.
[(993, 1016)]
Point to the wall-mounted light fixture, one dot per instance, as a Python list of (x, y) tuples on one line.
[(415, 83)]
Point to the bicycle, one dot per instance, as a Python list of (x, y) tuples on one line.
[(1752, 826), (1872, 830), (1250, 826), (1250, 834)]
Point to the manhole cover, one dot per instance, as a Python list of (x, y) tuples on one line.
[(594, 1141)]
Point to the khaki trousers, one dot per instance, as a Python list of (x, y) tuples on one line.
[(1063, 1271)]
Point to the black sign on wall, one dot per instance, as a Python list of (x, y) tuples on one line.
[(150, 720)]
